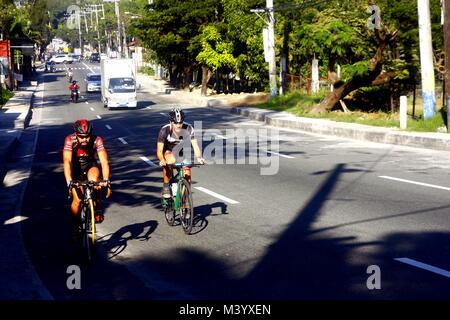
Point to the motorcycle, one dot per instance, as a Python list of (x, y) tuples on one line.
[(74, 95)]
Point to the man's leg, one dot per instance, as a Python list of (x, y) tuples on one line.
[(75, 210), (167, 173), (93, 174)]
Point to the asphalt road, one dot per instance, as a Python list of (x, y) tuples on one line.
[(332, 209)]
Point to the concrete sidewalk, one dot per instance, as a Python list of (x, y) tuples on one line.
[(18, 278), (428, 140), (14, 118)]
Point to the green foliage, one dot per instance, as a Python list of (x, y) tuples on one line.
[(357, 69), (5, 95), (147, 70), (216, 53)]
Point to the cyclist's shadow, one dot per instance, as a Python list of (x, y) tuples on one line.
[(117, 242), (202, 212)]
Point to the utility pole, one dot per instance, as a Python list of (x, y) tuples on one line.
[(98, 30), (79, 32), (269, 45), (272, 64), (426, 59), (446, 87), (117, 9)]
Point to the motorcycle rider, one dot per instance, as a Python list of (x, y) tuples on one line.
[(69, 74), (74, 90)]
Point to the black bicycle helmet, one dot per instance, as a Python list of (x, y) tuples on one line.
[(176, 115), (74, 82), (83, 127)]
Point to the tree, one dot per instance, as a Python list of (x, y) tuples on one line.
[(216, 53), (171, 29)]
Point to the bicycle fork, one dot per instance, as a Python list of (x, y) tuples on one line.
[(91, 207)]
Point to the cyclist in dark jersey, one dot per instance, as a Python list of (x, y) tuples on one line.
[(171, 140), (80, 165)]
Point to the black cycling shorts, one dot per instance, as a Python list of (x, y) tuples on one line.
[(80, 170)]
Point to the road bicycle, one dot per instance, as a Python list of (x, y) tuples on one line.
[(87, 228), (180, 204)]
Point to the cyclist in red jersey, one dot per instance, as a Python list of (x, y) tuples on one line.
[(80, 165)]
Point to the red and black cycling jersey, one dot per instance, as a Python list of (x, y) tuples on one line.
[(83, 154), (171, 139)]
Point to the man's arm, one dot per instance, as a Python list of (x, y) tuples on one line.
[(197, 151), (159, 153), (103, 157), (67, 158)]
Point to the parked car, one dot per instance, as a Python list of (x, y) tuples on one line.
[(93, 82), (76, 57), (95, 57), (61, 58)]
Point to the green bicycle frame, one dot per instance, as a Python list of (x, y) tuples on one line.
[(177, 201)]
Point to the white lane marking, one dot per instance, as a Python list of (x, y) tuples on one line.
[(163, 114), (123, 140), (15, 219), (415, 182), (88, 67), (87, 103), (98, 117), (278, 154), (216, 195), (92, 109), (425, 266), (149, 108), (108, 127), (146, 160)]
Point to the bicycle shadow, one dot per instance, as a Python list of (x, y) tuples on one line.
[(118, 241), (204, 211)]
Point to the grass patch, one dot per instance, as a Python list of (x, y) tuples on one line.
[(300, 105), (147, 70), (5, 95)]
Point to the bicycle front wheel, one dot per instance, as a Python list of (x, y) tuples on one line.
[(88, 248), (186, 207), (168, 211)]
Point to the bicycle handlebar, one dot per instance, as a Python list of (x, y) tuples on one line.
[(184, 164), (91, 184)]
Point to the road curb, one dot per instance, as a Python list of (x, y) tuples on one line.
[(435, 141)]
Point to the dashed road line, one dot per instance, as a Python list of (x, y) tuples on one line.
[(424, 266), (216, 195), (98, 117), (15, 219), (278, 154), (123, 140), (415, 182), (88, 67), (149, 162), (108, 127), (92, 109)]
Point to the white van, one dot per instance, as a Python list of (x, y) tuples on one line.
[(118, 80)]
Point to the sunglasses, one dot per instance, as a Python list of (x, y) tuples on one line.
[(83, 136)]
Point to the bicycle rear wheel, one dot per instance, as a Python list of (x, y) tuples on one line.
[(186, 207)]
